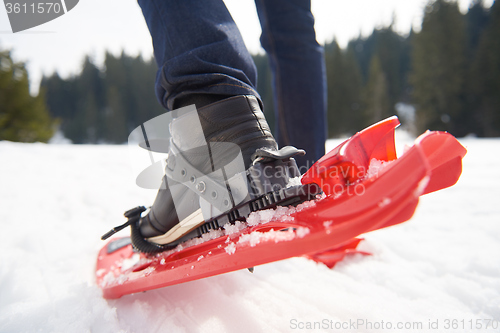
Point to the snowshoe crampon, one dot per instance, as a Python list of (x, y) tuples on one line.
[(366, 187)]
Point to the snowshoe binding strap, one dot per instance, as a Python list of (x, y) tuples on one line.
[(133, 215), (272, 182)]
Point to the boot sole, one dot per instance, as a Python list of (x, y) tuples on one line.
[(190, 223)]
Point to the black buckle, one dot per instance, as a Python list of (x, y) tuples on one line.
[(132, 215)]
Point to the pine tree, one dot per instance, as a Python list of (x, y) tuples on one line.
[(91, 104), (376, 94), (119, 107), (476, 21), (439, 69), (115, 117), (353, 90), (104, 105), (60, 96), (22, 117), (389, 53), (344, 84), (392, 53), (141, 77), (485, 77), (335, 114)]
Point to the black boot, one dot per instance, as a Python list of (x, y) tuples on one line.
[(212, 153)]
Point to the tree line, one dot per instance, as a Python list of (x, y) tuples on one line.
[(448, 73), (22, 117), (104, 105)]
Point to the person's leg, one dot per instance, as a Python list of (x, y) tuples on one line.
[(199, 51), (299, 76), (203, 61)]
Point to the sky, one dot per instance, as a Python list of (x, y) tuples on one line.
[(95, 26)]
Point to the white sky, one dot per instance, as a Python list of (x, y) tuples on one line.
[(94, 26)]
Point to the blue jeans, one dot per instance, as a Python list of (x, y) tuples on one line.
[(199, 50)]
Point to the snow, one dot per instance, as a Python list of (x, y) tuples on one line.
[(281, 213), (230, 249), (375, 167), (440, 268)]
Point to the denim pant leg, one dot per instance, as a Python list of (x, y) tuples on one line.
[(299, 75), (199, 50)]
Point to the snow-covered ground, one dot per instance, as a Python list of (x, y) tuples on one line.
[(438, 272)]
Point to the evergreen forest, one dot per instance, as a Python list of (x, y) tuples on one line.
[(446, 77)]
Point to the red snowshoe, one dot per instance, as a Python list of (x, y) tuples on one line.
[(365, 187)]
